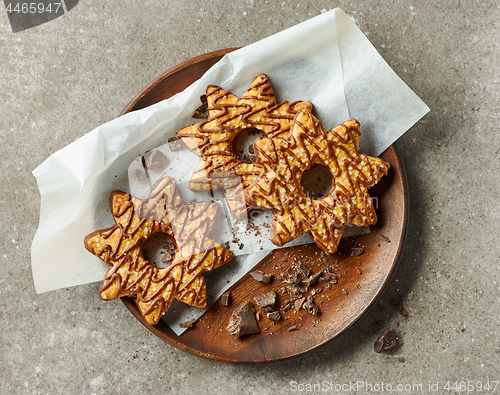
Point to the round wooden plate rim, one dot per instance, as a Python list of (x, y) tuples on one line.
[(166, 333)]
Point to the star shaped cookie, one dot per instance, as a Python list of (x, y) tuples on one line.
[(153, 288), (213, 140), (286, 160)]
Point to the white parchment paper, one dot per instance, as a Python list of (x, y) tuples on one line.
[(326, 60)]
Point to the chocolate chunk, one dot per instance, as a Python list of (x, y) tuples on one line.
[(292, 277), (155, 159), (274, 315), (313, 279), (304, 289), (357, 251), (287, 307), (268, 299), (383, 237), (199, 114), (293, 289), (293, 328), (175, 143), (225, 298), (299, 303), (258, 316), (187, 324), (316, 291), (304, 269), (242, 321), (201, 111), (327, 277), (386, 341), (167, 258), (311, 307), (261, 276), (138, 175), (267, 309)]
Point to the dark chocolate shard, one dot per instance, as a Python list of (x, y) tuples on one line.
[(299, 303), (155, 159), (304, 269), (175, 143), (293, 289), (311, 307), (268, 299), (225, 298), (261, 276), (357, 251), (292, 277), (187, 324), (386, 341), (242, 321), (274, 315), (313, 279), (139, 175)]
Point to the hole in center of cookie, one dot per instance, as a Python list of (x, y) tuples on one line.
[(159, 250), (243, 144), (317, 181)]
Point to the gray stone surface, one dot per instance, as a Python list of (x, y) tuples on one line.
[(63, 78)]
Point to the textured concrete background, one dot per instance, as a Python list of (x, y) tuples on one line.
[(61, 79)]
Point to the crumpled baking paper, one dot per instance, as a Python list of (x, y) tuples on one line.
[(326, 60)]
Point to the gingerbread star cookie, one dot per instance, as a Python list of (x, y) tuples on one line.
[(120, 246), (286, 160), (213, 140)]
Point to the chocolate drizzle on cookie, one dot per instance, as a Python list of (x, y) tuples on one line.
[(136, 220), (213, 139), (285, 160)]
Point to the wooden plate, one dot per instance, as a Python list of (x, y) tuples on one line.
[(362, 278)]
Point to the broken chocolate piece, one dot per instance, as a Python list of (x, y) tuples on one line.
[(287, 307), (299, 303), (383, 237), (261, 276), (356, 251), (327, 277), (292, 328), (293, 289), (175, 143), (242, 321), (225, 298), (311, 307), (274, 315), (187, 324), (155, 159), (268, 299), (313, 279), (138, 175), (267, 309), (304, 269), (201, 111), (292, 277), (386, 341)]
